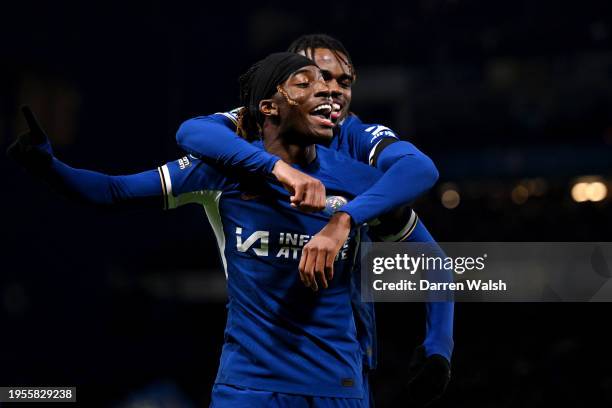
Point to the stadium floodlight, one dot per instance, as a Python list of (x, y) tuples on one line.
[(450, 196), (589, 188)]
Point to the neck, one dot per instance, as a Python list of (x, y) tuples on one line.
[(285, 146)]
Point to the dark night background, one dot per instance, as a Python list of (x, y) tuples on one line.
[(512, 100)]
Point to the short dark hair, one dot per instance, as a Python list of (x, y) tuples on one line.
[(307, 43)]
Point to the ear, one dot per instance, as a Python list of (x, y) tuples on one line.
[(268, 108)]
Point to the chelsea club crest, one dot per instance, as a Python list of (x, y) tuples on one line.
[(333, 204)]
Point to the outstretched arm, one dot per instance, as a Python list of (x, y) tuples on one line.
[(33, 151), (139, 190)]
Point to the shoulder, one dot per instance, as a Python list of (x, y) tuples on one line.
[(353, 125), (372, 131), (364, 138), (228, 118), (232, 115), (193, 173)]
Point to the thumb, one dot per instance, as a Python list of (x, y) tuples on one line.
[(298, 195)]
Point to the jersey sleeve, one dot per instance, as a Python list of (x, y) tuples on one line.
[(367, 139), (440, 315), (230, 118), (408, 173), (92, 188), (86, 186), (213, 138), (396, 226), (190, 180)]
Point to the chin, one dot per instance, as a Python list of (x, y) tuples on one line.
[(320, 136), (325, 136)]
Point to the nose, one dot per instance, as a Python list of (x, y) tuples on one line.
[(322, 89), (334, 88)]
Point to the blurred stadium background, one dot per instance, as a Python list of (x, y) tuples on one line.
[(512, 100)]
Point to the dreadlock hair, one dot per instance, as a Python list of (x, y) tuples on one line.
[(307, 43), (250, 121), (248, 126), (263, 80)]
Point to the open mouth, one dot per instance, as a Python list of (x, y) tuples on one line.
[(323, 113), (336, 109)]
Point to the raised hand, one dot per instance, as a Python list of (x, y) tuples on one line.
[(36, 133), (31, 148)]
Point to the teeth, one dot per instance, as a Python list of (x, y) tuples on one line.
[(322, 107), (336, 107)]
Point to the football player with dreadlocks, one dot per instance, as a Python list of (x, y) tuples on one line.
[(216, 138), (429, 368), (285, 345)]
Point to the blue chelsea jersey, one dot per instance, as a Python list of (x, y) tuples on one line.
[(356, 140), (280, 336)]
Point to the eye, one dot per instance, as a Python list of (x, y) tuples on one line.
[(303, 84), (346, 83)]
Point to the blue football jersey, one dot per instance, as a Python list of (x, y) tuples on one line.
[(280, 335), (359, 141)]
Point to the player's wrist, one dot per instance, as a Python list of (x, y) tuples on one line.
[(271, 162), (34, 157), (279, 168), (342, 219), (346, 218)]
